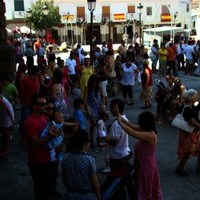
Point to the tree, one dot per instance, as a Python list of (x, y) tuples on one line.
[(39, 20)]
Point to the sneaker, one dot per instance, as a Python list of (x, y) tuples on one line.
[(107, 170)]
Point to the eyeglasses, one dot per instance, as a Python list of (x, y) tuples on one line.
[(41, 104)]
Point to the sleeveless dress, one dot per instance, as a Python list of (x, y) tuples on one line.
[(147, 174), (85, 75)]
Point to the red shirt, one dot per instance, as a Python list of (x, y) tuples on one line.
[(29, 86), (33, 127), (171, 54)]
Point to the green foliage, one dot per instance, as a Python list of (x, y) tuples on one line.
[(39, 20)]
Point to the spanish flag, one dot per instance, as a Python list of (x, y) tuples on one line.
[(119, 17), (68, 17), (166, 18)]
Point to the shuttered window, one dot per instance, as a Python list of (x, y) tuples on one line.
[(131, 9), (106, 11), (19, 5)]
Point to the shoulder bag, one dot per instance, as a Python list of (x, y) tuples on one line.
[(179, 122)]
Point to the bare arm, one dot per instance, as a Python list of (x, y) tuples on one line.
[(95, 185), (134, 131), (133, 126), (149, 137), (194, 123)]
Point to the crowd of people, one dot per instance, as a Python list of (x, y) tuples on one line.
[(54, 136)]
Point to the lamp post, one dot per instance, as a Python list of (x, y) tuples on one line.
[(45, 11), (29, 13), (91, 8), (140, 7), (173, 31)]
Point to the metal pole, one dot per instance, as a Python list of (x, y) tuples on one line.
[(140, 28), (72, 36), (31, 32), (91, 35)]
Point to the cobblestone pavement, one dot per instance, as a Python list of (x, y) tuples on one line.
[(16, 183)]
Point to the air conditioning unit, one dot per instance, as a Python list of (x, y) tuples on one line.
[(130, 16), (79, 20), (105, 19)]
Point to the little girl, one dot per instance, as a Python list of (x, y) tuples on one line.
[(101, 129), (101, 135)]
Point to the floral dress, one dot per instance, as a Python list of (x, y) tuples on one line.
[(189, 143)]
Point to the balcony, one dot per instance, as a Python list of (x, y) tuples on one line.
[(19, 14)]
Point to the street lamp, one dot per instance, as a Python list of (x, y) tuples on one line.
[(29, 13), (45, 11), (91, 8), (140, 7)]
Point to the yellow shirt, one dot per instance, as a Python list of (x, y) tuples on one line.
[(162, 54)]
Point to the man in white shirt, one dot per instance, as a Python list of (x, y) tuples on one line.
[(180, 55), (117, 139), (71, 66)]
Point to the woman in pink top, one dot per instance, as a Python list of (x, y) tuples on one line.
[(146, 169)]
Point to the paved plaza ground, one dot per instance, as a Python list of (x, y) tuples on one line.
[(16, 183)]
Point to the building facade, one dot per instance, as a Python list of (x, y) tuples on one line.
[(115, 19)]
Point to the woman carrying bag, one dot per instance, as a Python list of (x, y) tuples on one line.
[(189, 143)]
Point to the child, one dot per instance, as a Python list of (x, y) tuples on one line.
[(101, 136), (55, 132), (101, 129), (78, 112), (117, 139), (76, 91)]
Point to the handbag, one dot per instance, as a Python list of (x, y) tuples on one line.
[(179, 122)]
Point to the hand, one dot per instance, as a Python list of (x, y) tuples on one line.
[(116, 111)]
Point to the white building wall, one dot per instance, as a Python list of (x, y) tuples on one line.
[(116, 6)]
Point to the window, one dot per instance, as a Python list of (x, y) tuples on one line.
[(149, 11), (81, 13), (188, 8), (106, 11), (131, 9), (165, 10), (19, 5)]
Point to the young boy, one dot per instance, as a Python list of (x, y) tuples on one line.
[(117, 139), (78, 112)]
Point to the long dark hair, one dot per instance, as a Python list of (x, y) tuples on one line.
[(146, 121)]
